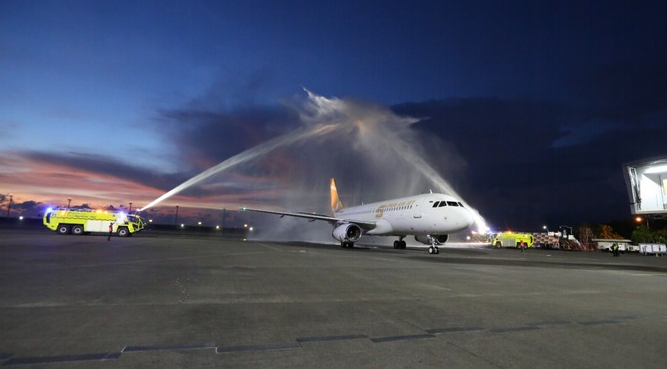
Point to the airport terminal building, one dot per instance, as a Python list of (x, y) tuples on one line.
[(646, 181)]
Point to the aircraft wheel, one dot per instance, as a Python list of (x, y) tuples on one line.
[(437, 250), (431, 250), (397, 244), (403, 245)]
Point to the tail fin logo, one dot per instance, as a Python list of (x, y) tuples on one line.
[(336, 205)]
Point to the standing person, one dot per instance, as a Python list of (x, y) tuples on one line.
[(614, 249), (110, 230), (522, 245)]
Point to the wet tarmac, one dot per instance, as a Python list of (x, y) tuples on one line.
[(166, 301)]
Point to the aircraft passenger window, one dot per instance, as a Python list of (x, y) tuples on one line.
[(452, 203), (442, 203)]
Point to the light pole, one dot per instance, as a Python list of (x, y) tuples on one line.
[(130, 210), (176, 220), (69, 202), (9, 207)]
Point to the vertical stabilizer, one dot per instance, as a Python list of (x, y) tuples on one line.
[(336, 205)]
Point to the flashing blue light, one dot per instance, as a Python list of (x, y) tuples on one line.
[(49, 210)]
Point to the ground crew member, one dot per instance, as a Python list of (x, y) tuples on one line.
[(614, 249), (522, 245), (110, 231)]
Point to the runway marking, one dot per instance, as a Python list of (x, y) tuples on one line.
[(275, 346), (297, 343), (551, 323), (168, 347), (63, 359), (453, 330), (402, 338), (330, 338), (514, 329)]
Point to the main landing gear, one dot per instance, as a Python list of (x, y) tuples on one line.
[(400, 244), (347, 245)]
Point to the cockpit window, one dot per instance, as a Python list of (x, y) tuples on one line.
[(452, 203), (443, 203), (461, 205), (436, 204)]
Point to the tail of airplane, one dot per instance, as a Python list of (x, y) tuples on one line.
[(336, 205)]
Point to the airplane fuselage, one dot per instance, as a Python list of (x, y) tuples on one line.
[(426, 214)]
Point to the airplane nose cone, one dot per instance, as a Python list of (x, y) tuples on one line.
[(464, 219), (469, 219)]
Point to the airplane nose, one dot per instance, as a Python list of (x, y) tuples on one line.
[(469, 219)]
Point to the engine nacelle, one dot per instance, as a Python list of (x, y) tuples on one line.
[(347, 232), (427, 240)]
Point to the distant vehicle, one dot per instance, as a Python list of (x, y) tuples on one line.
[(84, 221), (511, 239), (430, 218), (604, 244)]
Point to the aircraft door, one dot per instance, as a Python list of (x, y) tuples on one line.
[(416, 209)]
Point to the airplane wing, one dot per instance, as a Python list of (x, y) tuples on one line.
[(314, 216)]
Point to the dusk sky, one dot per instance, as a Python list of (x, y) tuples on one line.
[(527, 108)]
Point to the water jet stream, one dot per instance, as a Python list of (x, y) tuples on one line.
[(370, 144), (243, 157)]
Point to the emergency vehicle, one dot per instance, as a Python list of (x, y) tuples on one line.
[(83, 221), (511, 239)]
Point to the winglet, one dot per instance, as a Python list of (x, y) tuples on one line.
[(336, 205)]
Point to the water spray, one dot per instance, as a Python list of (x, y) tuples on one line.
[(377, 140), (243, 157)]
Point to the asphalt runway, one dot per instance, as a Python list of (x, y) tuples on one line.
[(175, 301)]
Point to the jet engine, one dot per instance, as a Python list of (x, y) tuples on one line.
[(428, 239), (347, 232)]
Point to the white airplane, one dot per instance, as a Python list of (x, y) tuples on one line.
[(429, 217)]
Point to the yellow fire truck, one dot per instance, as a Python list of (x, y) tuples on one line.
[(83, 221), (511, 239)]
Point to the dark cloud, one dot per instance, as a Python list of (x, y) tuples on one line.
[(107, 166), (27, 208), (205, 135)]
